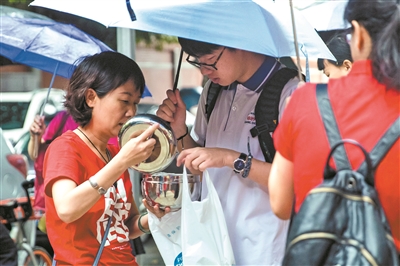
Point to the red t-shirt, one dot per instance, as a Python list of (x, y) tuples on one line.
[(77, 243), (364, 110)]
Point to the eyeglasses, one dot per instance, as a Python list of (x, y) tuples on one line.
[(195, 62)]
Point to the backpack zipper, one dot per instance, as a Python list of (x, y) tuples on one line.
[(367, 255), (341, 193)]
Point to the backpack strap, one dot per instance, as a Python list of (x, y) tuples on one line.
[(212, 96), (381, 148), (267, 110), (331, 127)]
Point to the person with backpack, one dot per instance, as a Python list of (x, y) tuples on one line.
[(221, 141), (365, 104)]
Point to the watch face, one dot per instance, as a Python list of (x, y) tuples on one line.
[(239, 164)]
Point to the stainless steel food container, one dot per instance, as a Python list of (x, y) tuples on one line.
[(165, 149), (165, 189)]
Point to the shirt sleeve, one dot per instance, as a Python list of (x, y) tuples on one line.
[(65, 158), (287, 90), (285, 134), (199, 129)]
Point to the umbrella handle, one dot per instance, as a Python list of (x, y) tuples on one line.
[(35, 147), (295, 40), (178, 71)]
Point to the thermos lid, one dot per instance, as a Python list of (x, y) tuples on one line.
[(165, 148)]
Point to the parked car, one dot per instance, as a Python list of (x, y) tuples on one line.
[(13, 170), (18, 110)]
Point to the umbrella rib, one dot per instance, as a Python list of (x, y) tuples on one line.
[(295, 40)]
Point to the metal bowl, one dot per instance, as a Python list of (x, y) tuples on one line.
[(165, 148), (166, 189)]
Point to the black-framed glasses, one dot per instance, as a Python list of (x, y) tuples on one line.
[(195, 62)]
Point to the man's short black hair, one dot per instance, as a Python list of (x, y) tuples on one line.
[(197, 48)]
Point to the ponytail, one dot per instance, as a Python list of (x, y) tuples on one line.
[(385, 53)]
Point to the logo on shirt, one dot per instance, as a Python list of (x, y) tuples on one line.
[(251, 118), (117, 206)]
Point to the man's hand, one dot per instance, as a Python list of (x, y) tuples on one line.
[(173, 110), (199, 159)]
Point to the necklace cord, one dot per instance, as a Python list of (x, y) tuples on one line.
[(94, 146)]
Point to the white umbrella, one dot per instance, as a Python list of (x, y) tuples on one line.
[(324, 15)]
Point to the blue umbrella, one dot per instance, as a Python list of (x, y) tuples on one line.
[(47, 45)]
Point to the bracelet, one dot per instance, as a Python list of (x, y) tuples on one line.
[(140, 224), (187, 132), (247, 166)]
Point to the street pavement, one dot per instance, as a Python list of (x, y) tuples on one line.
[(152, 255)]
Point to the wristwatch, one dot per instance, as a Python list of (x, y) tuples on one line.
[(94, 184), (239, 163)]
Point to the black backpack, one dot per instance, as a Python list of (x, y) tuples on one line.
[(266, 110), (341, 222)]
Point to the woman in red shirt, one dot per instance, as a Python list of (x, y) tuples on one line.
[(365, 103), (86, 179)]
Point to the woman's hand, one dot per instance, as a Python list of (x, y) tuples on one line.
[(139, 147), (173, 110), (38, 126), (156, 210)]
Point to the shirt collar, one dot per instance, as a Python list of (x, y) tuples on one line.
[(362, 67), (269, 67)]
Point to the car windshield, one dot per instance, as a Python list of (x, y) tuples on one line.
[(13, 114)]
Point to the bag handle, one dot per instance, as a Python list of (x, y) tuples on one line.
[(329, 172), (206, 178), (103, 242), (331, 127)]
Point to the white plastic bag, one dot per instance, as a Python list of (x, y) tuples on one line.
[(167, 236), (197, 233)]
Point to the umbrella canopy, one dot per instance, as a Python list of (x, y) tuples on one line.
[(259, 26), (20, 13), (47, 45), (325, 15)]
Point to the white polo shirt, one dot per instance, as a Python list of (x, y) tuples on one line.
[(258, 237)]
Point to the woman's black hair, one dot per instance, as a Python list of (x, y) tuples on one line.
[(381, 18), (103, 72), (339, 48)]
